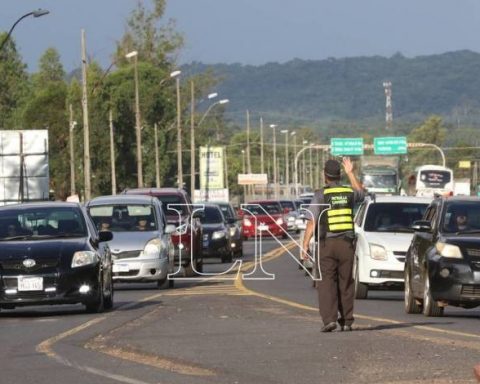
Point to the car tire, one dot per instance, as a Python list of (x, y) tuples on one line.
[(240, 253), (98, 304), (411, 305), (361, 289), (108, 300), (164, 283), (430, 307), (285, 236), (189, 272)]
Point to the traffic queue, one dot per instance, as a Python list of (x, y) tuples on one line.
[(64, 253)]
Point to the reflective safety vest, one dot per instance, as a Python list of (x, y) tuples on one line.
[(339, 218)]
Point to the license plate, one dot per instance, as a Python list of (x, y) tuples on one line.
[(30, 284), (120, 268), (263, 227)]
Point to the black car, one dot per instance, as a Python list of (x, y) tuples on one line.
[(235, 229), (216, 233), (51, 253), (442, 265)]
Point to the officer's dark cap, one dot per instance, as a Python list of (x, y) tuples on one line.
[(332, 169)]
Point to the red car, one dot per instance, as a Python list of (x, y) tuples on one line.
[(263, 217), (180, 215)]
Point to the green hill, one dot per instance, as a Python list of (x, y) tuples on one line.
[(350, 89)]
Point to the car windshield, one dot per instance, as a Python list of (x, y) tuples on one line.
[(41, 222), (261, 208), (393, 217), (288, 204), (124, 217), (212, 215), (227, 211), (462, 217), (379, 181), (173, 205)]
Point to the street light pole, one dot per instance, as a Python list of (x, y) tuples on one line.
[(37, 13), (244, 170), (138, 128), (86, 130), (192, 133), (294, 149), (72, 125), (273, 126), (112, 154), (179, 137), (285, 132)]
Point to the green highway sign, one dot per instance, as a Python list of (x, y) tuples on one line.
[(346, 146), (390, 145)]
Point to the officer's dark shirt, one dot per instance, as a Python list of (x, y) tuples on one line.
[(316, 210)]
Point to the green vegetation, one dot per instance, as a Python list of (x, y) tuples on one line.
[(435, 99)]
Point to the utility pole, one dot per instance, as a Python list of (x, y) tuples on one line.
[(387, 85), (112, 154), (262, 167), (71, 125), (157, 159), (179, 137), (249, 164), (86, 132), (138, 128), (275, 189), (192, 139), (311, 168), (317, 181)]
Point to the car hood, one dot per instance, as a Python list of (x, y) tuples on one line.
[(265, 218), (394, 241), (466, 240), (48, 252), (131, 241), (209, 228)]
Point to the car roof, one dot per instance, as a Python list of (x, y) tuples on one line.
[(461, 198), (154, 191), (401, 199), (263, 201), (40, 204), (127, 199)]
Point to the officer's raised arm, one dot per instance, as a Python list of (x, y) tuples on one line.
[(348, 167)]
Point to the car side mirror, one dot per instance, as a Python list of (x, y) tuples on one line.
[(421, 226), (105, 236), (170, 228)]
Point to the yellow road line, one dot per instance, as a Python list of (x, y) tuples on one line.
[(46, 345), (240, 285)]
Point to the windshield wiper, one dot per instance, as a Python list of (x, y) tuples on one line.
[(19, 237)]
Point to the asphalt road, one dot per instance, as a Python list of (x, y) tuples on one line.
[(236, 331)]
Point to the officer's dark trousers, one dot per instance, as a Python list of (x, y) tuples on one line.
[(336, 289)]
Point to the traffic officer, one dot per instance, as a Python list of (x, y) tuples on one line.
[(333, 227)]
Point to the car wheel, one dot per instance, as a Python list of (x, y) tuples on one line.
[(108, 300), (411, 305), (171, 283), (285, 236), (361, 290), (227, 258), (98, 304), (240, 253), (430, 307), (164, 283), (189, 272)]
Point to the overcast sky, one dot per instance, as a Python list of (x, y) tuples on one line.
[(254, 31)]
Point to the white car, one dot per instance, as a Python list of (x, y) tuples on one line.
[(382, 226)]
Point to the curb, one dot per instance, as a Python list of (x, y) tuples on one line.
[(476, 371)]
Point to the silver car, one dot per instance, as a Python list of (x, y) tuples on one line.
[(142, 249)]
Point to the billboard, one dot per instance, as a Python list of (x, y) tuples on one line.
[(211, 168), (24, 173)]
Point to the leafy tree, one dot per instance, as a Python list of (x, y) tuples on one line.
[(46, 109), (13, 85)]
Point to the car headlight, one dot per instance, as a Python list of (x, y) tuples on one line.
[(181, 230), (449, 250), (279, 221), (377, 252), (153, 249), (233, 230), (247, 222), (82, 258), (218, 235)]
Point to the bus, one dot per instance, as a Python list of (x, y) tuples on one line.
[(433, 179)]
